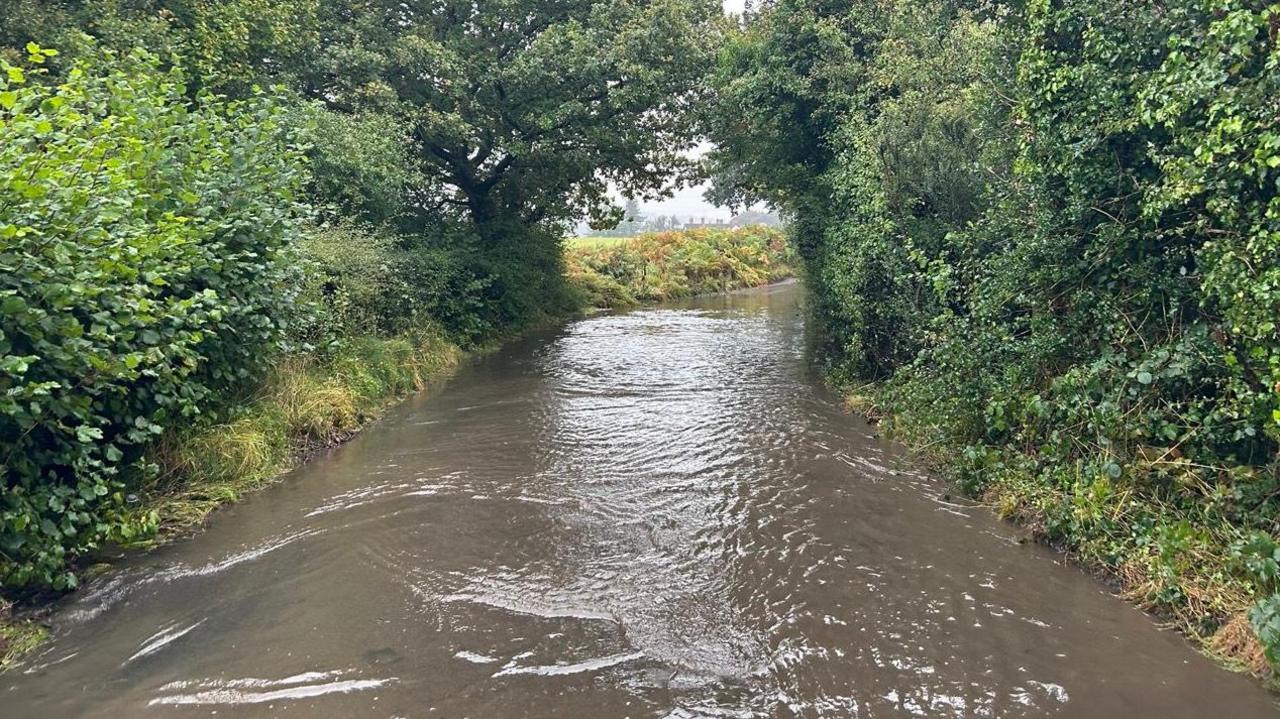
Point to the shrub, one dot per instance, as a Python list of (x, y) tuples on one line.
[(144, 267), (360, 280), (360, 163), (356, 279)]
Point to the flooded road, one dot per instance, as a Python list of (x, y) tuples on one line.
[(652, 514)]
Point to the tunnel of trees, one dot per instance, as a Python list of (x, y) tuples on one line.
[(1041, 237)]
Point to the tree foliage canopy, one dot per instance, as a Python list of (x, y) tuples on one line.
[(523, 112), (526, 111)]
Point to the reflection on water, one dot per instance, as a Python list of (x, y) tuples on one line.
[(650, 514)]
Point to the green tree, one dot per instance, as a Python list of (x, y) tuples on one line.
[(225, 45), (526, 111), (521, 116), (514, 118)]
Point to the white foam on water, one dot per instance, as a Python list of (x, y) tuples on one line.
[(161, 639), (555, 670), (238, 691)]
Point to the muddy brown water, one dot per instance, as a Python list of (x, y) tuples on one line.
[(659, 513)]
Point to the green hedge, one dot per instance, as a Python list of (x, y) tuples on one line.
[(144, 267), (1044, 238)]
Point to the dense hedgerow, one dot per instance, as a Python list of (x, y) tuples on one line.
[(669, 265), (144, 268), (172, 311), (361, 279), (1051, 232)]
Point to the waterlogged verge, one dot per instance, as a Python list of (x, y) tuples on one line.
[(306, 404)]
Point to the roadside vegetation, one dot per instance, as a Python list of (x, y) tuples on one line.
[(17, 638), (1044, 240), (226, 242), (668, 265)]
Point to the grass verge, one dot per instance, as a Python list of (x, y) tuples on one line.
[(17, 636), (1175, 564), (305, 405)]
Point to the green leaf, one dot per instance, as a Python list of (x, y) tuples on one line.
[(12, 305), (88, 434)]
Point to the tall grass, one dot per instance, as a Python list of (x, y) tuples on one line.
[(16, 637), (598, 241), (306, 404)]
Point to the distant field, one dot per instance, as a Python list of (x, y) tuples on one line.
[(597, 241), (613, 272)]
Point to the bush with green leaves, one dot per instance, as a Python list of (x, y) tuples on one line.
[(145, 269), (359, 163), (1259, 555), (361, 280)]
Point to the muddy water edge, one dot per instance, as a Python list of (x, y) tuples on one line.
[(658, 513)]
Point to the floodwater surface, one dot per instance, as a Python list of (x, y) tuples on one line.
[(658, 513)]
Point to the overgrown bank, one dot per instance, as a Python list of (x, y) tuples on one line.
[(1044, 241), (671, 265)]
